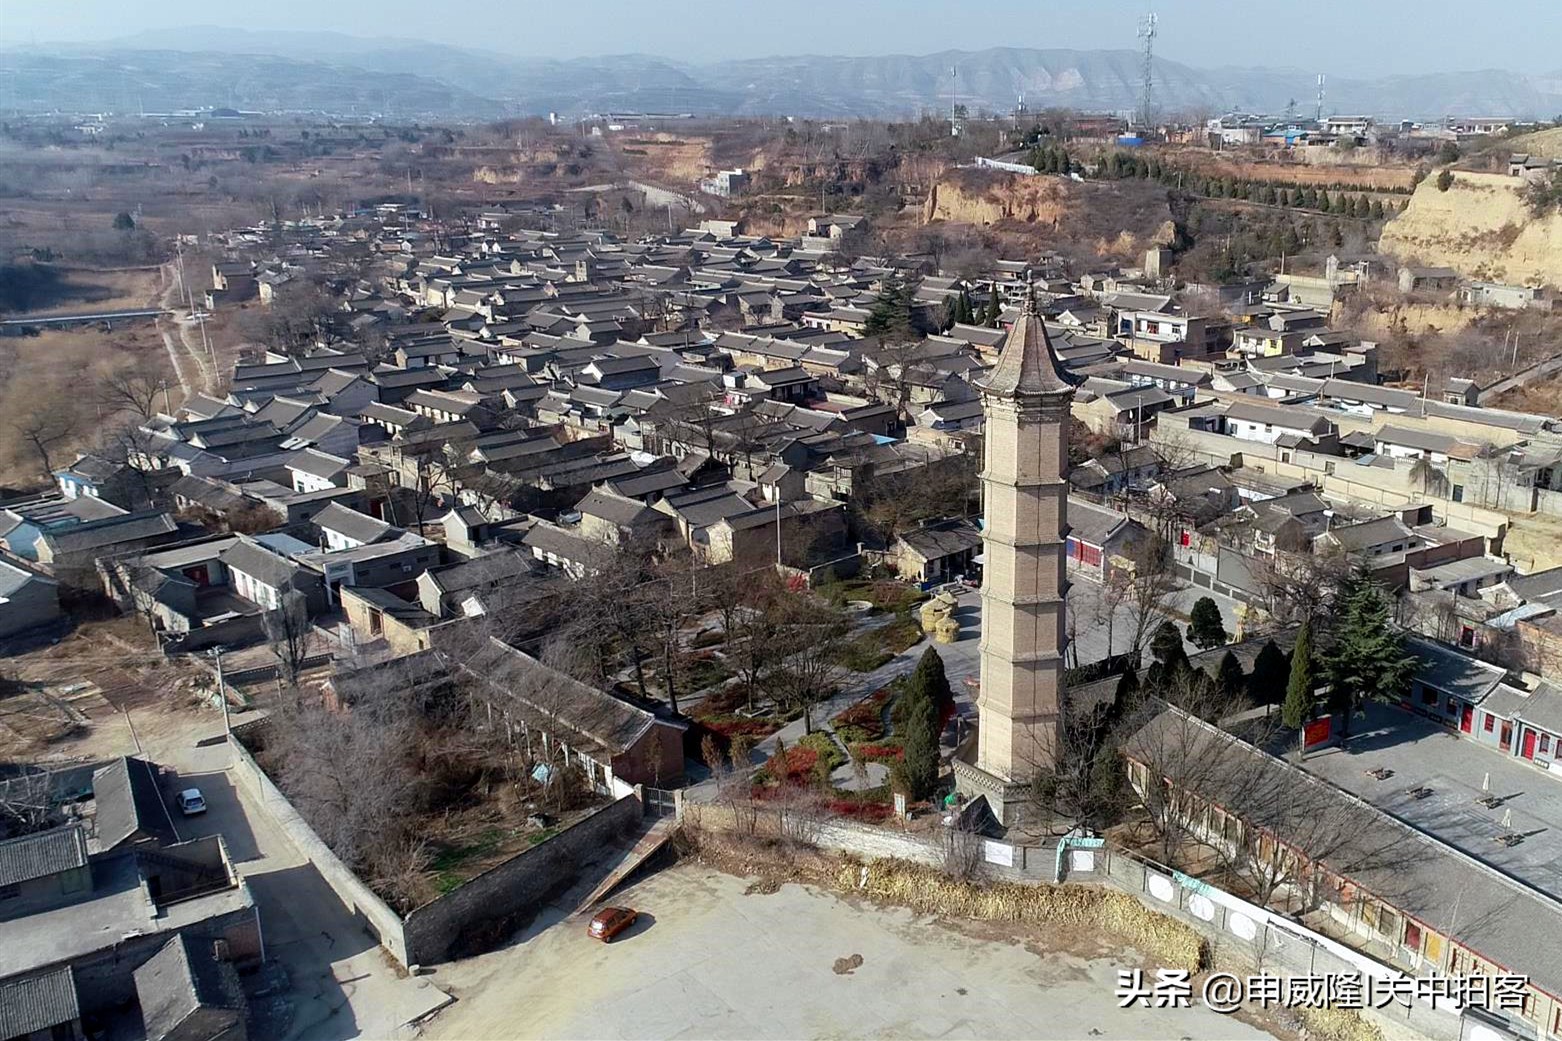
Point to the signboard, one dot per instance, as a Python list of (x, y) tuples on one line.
[(997, 853), (1317, 733)]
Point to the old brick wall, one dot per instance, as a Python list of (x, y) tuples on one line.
[(375, 913), (505, 895)]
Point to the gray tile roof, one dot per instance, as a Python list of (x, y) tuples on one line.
[(616, 509), (262, 565), (360, 527), (586, 717), (37, 1002), (41, 854), (316, 463), (181, 979), (1501, 919), (111, 532), (943, 540), (1454, 673), (127, 801), (1092, 524)]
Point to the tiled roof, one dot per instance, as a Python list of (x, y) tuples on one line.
[(41, 854), (36, 1003)]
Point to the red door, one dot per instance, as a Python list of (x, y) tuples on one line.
[(1529, 744), (1467, 719)]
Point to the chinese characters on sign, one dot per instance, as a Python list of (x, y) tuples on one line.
[(1227, 992)]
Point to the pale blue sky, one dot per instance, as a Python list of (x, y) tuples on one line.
[(1345, 37)]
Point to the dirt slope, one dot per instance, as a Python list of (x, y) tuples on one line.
[(1116, 219), (1547, 143), (1481, 228)]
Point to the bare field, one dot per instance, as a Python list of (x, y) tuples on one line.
[(56, 374), (1383, 178), (1534, 542), (85, 289), (77, 695)]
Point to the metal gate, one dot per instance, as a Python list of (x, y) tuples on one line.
[(659, 802)]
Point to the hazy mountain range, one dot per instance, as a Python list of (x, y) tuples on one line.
[(346, 74)]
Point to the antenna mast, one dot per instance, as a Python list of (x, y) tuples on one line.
[(1147, 30), (957, 111), (1321, 79)]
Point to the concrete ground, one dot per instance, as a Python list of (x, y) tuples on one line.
[(1421, 753), (710, 959), (340, 984)]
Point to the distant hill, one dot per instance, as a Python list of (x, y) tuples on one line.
[(279, 70)]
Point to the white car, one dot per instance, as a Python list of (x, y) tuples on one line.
[(191, 802)]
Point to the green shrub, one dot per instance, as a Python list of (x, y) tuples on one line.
[(824, 746)]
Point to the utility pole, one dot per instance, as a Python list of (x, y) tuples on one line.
[(210, 350), (222, 691), (778, 526)]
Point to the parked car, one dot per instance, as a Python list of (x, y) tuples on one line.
[(610, 921), (191, 802)]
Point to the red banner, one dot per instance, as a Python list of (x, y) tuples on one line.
[(1317, 732)]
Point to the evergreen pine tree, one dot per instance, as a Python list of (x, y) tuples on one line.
[(917, 724), (1205, 627), (994, 310), (1166, 646), (1266, 686), (890, 315), (1230, 680), (1375, 211), (929, 677), (951, 313), (1126, 694), (1298, 706), (1368, 658)]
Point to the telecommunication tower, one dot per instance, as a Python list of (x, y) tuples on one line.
[(1147, 29)]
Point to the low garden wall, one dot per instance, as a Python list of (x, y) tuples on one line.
[(495, 903), (477, 913)]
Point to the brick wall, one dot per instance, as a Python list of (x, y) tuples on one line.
[(357, 897), (501, 898)]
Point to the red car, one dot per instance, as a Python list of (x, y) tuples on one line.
[(610, 921)]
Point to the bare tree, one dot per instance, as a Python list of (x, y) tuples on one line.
[(669, 599), (350, 773), (1300, 585), (133, 391), (289, 635), (752, 644), (43, 429), (808, 643), (27, 803), (1140, 589), (1180, 756)]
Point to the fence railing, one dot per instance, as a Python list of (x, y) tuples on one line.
[(1247, 933)]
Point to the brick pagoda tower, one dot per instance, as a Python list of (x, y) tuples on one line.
[(1025, 399)]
